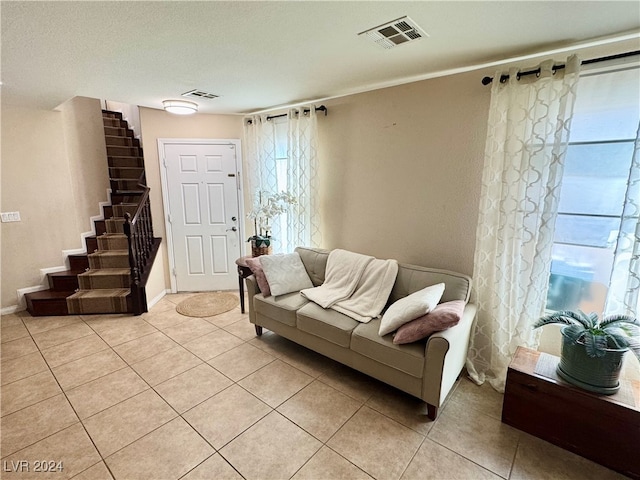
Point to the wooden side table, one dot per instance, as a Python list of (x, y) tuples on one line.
[(243, 272), (602, 428)]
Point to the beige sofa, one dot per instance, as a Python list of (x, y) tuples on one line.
[(427, 369)]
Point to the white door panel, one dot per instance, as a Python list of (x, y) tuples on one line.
[(204, 211)]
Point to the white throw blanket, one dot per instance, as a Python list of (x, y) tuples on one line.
[(372, 292), (343, 273), (355, 285)]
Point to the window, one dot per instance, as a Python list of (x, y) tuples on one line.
[(594, 183)]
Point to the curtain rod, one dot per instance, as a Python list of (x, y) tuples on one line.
[(321, 108), (505, 77)]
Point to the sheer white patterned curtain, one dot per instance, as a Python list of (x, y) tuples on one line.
[(624, 291), (528, 130), (303, 219), (260, 159)]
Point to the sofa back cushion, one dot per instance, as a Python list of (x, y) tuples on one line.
[(410, 279), (315, 262)]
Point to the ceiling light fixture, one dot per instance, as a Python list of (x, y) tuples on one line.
[(180, 107)]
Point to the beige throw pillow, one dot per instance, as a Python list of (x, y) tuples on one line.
[(409, 308), (285, 273)]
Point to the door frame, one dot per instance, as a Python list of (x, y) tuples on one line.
[(162, 142)]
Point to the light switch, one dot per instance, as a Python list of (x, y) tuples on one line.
[(10, 217)]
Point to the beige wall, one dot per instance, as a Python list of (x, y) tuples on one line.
[(159, 124), (401, 170), (87, 157), (39, 151)]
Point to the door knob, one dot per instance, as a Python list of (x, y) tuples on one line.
[(233, 229)]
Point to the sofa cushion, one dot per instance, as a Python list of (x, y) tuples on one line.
[(281, 308), (326, 324), (407, 358), (412, 278), (285, 273), (315, 262)]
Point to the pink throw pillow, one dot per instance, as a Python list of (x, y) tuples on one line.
[(256, 267), (445, 315)]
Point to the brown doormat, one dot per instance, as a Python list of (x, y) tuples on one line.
[(208, 304)]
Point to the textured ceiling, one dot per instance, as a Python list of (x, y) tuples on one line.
[(261, 54)]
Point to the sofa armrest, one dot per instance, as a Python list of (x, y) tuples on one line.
[(252, 290), (445, 356)]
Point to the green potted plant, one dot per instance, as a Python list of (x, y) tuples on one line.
[(268, 205), (592, 349)]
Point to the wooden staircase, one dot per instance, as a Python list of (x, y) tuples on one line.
[(100, 281)]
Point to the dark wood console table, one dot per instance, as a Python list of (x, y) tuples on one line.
[(602, 428), (243, 272)]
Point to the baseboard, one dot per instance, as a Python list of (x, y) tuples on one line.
[(157, 298), (22, 304), (10, 310)]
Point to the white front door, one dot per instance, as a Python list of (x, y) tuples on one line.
[(203, 195)]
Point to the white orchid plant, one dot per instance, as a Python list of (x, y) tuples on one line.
[(267, 206)]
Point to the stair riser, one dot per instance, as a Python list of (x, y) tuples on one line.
[(114, 226), (45, 308), (116, 151), (78, 262), (125, 184), (112, 243), (107, 211), (122, 141), (118, 198), (126, 172), (133, 162), (63, 283), (120, 210), (118, 132), (92, 307), (103, 281), (101, 227), (91, 243), (110, 262), (111, 114), (114, 122)]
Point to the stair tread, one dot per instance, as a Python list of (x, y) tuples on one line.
[(107, 271), (48, 295), (112, 235), (108, 253), (102, 292), (66, 273)]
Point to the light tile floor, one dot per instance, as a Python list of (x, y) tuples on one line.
[(164, 396)]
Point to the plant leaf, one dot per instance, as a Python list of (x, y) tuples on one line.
[(615, 319), (595, 345), (574, 333), (566, 317), (615, 340), (634, 346)]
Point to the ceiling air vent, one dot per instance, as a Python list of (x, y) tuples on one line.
[(199, 94), (394, 33)]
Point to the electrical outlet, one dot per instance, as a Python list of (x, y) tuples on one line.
[(10, 217)]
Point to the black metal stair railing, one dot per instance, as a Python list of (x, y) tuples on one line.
[(139, 231)]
